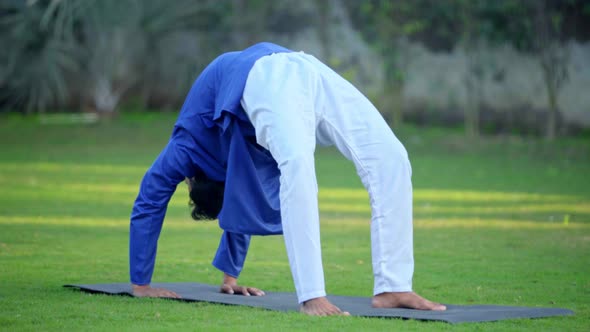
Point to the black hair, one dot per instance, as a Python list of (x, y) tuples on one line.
[(206, 197)]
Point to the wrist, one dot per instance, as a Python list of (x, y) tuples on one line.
[(229, 280)]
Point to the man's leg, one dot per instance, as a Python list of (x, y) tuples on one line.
[(358, 130), (278, 99)]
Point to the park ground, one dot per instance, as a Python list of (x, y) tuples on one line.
[(499, 220)]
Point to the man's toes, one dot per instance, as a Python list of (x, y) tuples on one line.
[(322, 312), (439, 307), (429, 305), (329, 311)]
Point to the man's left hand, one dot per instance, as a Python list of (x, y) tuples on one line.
[(230, 286)]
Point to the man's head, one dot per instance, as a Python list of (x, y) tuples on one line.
[(206, 197)]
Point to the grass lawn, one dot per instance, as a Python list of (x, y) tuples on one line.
[(497, 221)]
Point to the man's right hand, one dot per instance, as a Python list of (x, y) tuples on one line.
[(147, 291)]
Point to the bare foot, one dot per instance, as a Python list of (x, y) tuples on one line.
[(320, 306), (405, 300), (147, 291)]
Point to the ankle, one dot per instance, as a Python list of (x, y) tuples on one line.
[(315, 300)]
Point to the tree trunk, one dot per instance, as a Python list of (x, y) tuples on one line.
[(323, 31), (551, 132), (396, 105), (105, 98), (473, 84), (553, 58)]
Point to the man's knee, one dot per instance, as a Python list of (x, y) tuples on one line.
[(393, 156), (296, 160)]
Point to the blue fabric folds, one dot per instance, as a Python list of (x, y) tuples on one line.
[(212, 135)]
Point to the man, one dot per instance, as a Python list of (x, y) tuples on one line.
[(245, 138)]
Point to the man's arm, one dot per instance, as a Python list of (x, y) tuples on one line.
[(230, 258), (157, 187), (231, 253)]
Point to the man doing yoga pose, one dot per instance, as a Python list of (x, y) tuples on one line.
[(245, 140)]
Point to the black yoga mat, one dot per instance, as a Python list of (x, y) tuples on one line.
[(357, 306)]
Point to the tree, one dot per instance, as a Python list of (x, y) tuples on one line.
[(553, 58), (388, 26), (248, 19), (470, 42), (38, 53), (95, 48), (473, 40), (120, 39)]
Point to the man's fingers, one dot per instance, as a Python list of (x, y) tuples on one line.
[(228, 289), (255, 291), (244, 291), (241, 290)]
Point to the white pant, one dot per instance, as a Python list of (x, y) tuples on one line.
[(294, 100)]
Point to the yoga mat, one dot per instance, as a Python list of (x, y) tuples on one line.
[(357, 306)]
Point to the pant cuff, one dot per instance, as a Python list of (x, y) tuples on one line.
[(394, 289)]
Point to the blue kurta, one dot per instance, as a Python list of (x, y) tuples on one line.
[(213, 135)]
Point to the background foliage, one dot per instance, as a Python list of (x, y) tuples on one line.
[(95, 56)]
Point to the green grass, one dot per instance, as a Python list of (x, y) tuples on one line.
[(497, 221)]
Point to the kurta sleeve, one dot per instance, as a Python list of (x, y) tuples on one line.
[(158, 184), (231, 253)]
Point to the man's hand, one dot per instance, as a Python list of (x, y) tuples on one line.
[(147, 291), (230, 286)]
